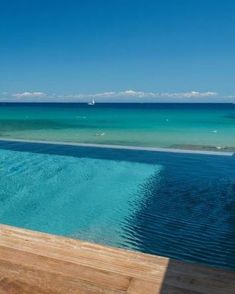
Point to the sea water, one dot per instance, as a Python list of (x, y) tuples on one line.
[(184, 126)]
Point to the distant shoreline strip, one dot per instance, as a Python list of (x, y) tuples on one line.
[(122, 147)]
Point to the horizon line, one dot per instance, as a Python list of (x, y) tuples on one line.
[(117, 102)]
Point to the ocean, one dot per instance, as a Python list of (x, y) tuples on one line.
[(183, 126)]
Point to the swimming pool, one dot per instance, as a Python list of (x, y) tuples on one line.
[(176, 205)]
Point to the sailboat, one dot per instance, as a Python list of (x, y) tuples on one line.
[(92, 102)]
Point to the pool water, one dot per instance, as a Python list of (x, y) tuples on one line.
[(176, 205)]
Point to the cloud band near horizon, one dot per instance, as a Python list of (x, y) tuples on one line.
[(113, 95)]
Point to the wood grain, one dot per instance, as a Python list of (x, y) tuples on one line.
[(34, 262)]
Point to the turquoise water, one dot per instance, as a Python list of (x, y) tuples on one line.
[(71, 196), (176, 205), (186, 126)]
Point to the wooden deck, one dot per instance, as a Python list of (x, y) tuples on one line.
[(32, 262)]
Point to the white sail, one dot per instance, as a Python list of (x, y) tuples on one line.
[(92, 102)]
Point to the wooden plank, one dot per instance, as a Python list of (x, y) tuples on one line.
[(34, 262), (11, 286), (79, 252), (138, 286)]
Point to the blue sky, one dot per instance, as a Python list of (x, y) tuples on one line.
[(117, 50)]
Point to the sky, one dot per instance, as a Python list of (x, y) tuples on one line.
[(117, 50)]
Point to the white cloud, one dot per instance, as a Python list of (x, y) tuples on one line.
[(137, 94), (141, 94), (113, 94), (192, 94), (29, 94), (118, 96)]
